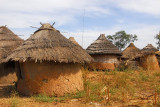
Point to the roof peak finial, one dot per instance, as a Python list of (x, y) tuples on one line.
[(102, 37)]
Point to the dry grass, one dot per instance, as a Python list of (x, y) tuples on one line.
[(129, 88), (125, 88)]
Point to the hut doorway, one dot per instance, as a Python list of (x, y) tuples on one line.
[(7, 73)]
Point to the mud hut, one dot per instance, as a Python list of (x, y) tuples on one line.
[(149, 61), (73, 40), (104, 54), (8, 42), (49, 63), (131, 57)]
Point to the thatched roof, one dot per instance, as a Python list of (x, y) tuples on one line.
[(8, 42), (149, 49), (131, 52), (73, 40), (48, 44), (103, 46)]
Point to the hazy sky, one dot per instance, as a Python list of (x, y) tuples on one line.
[(140, 17)]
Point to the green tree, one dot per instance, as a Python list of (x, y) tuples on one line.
[(121, 39), (157, 37)]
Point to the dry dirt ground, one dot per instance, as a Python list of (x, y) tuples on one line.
[(136, 90)]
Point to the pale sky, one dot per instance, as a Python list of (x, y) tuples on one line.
[(140, 17)]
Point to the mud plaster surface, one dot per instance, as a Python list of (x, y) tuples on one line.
[(49, 78), (102, 66)]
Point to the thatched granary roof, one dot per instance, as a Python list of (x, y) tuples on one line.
[(102, 46), (8, 42), (48, 44), (149, 49), (131, 52), (73, 40)]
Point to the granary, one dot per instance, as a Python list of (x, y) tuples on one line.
[(8, 42), (73, 40), (49, 63), (148, 60), (104, 53), (131, 57)]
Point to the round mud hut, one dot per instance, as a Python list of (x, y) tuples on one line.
[(49, 64), (149, 61), (131, 57), (104, 53), (8, 42)]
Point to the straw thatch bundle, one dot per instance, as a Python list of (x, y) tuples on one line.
[(103, 46), (149, 49), (48, 44), (131, 52), (8, 42), (73, 40)]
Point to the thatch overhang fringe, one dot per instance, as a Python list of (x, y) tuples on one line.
[(48, 44), (131, 52), (102, 46), (149, 49), (8, 42)]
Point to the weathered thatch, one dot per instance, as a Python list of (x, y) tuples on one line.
[(48, 44), (73, 40), (8, 42), (131, 52), (103, 46), (149, 49)]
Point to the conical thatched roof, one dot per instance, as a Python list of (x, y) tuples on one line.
[(73, 40), (8, 42), (48, 44), (131, 52), (102, 46), (149, 49)]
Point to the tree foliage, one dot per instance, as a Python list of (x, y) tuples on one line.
[(157, 37), (121, 39)]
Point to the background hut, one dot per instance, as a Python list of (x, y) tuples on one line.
[(8, 42), (148, 60), (131, 57), (49, 63), (104, 54)]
